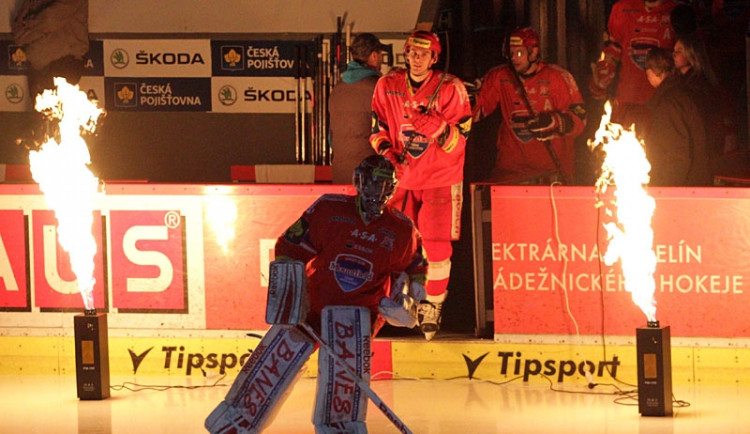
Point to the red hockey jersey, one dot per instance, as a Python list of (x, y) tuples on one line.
[(551, 89), (637, 31), (429, 162), (349, 262)]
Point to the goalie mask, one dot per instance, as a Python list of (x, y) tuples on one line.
[(375, 181)]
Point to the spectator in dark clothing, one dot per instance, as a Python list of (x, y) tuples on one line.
[(694, 67), (350, 107), (675, 137)]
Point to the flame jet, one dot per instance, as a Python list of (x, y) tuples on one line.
[(631, 237), (69, 187)]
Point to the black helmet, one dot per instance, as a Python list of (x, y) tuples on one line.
[(375, 181)]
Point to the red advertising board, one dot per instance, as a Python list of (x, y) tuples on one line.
[(168, 256), (150, 257), (13, 264), (236, 275), (55, 285), (546, 245)]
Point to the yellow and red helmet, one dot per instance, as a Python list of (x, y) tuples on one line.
[(423, 39), (524, 37)]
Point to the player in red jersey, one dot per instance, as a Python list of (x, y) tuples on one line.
[(634, 27), (352, 245), (346, 254), (542, 113), (421, 119)]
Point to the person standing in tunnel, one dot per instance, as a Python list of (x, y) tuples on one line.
[(421, 120), (542, 113), (633, 28), (350, 106)]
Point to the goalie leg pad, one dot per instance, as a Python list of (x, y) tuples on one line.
[(338, 398), (263, 382)]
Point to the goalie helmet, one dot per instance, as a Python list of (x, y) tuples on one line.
[(375, 181), (423, 39)]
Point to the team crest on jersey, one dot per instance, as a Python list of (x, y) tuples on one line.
[(639, 48), (387, 243), (415, 143), (519, 123), (351, 271)]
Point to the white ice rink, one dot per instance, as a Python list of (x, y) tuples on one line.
[(48, 404)]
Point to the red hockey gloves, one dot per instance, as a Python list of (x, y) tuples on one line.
[(428, 123), (547, 126)]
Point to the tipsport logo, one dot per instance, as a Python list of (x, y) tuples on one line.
[(515, 364), (180, 359)]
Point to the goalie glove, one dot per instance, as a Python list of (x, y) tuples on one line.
[(288, 301), (399, 313), (400, 309), (403, 284), (428, 123), (547, 126)]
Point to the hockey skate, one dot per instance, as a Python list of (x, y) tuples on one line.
[(429, 314)]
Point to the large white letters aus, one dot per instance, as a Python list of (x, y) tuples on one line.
[(6, 272), (146, 257), (51, 274)]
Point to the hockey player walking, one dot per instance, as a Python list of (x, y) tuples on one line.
[(421, 119), (346, 266), (542, 114)]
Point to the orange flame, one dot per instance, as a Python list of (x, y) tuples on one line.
[(630, 237), (68, 185)]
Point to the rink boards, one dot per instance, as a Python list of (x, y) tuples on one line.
[(180, 274), (562, 364)]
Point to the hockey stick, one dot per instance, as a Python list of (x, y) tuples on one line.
[(395, 420), (547, 144), (297, 151)]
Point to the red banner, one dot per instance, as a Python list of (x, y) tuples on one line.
[(237, 274), (546, 246), (175, 256), (55, 285), (14, 289)]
